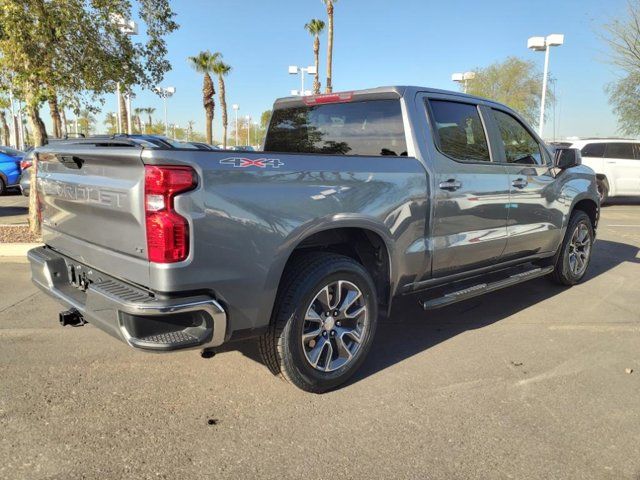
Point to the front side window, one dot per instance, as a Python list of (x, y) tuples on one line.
[(593, 150), (459, 130), (357, 128), (519, 145), (619, 150)]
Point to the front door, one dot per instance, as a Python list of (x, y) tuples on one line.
[(534, 219), (471, 191)]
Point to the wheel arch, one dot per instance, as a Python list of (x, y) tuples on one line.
[(366, 242)]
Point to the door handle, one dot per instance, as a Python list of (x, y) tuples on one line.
[(519, 183), (612, 162), (451, 185)]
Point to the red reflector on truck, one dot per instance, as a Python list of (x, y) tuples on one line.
[(167, 231), (328, 98)]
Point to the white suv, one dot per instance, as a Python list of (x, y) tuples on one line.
[(616, 163)]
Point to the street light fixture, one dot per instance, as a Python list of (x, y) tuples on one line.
[(295, 70), (542, 44), (236, 107), (128, 27), (248, 118), (165, 92), (463, 79)]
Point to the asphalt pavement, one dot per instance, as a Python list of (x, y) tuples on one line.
[(529, 382), (14, 208)]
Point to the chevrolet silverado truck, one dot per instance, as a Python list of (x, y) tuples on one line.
[(356, 198)]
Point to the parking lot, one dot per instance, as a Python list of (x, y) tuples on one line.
[(14, 208), (528, 382)]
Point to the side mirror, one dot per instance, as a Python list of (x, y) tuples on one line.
[(567, 158)]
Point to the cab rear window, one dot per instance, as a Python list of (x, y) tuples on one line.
[(371, 128)]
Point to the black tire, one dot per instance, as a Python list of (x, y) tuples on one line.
[(564, 274), (282, 347), (3, 187), (603, 190)]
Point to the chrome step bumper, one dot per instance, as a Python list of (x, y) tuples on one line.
[(131, 314)]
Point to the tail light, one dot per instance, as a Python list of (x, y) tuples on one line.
[(167, 231), (24, 164)]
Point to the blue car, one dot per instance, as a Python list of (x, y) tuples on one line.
[(9, 168)]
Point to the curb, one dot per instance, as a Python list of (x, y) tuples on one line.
[(15, 252)]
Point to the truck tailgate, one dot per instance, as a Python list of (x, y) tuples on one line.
[(92, 204)]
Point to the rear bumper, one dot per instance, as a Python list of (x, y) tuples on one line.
[(131, 314)]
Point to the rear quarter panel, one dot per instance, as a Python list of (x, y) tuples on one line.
[(246, 221)]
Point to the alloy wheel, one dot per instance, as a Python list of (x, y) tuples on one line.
[(335, 323)]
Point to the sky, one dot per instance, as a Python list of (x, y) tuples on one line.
[(382, 42)]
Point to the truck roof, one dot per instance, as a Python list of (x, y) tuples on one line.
[(377, 93)]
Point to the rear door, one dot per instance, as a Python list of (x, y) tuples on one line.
[(622, 162), (92, 205), (534, 221), (471, 191)]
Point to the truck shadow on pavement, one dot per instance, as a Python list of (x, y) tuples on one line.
[(410, 330)]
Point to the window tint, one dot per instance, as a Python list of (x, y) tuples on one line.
[(519, 145), (619, 150), (359, 128), (459, 130), (593, 150)]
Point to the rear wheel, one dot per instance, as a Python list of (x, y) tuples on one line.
[(575, 254), (3, 187), (323, 323)]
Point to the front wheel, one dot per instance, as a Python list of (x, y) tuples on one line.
[(575, 254), (3, 187), (323, 322)]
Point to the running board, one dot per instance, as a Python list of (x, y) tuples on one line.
[(482, 288)]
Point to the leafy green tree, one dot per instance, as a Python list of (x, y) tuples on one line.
[(624, 96), (514, 82), (77, 46), (315, 27), (203, 63), (330, 8), (222, 70), (623, 38)]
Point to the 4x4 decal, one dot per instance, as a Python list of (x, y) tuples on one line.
[(240, 162)]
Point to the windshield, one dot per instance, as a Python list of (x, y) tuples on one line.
[(12, 152)]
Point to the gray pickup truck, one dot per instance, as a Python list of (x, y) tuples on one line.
[(357, 198)]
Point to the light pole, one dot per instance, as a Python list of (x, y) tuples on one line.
[(539, 44), (248, 117), (165, 92), (236, 107), (463, 79), (295, 70), (128, 27)]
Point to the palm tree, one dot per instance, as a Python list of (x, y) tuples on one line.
[(111, 121), (222, 69), (86, 120), (149, 111), (329, 5), (137, 118), (124, 121), (203, 63), (315, 27), (190, 125)]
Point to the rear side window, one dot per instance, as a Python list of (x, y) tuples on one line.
[(459, 130), (593, 150), (359, 128), (519, 145), (619, 150)]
